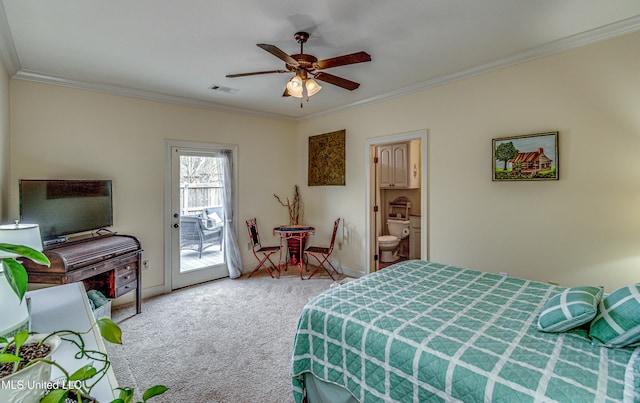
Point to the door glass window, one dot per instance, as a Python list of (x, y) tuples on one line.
[(201, 212)]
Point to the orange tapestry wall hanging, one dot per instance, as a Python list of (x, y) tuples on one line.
[(327, 159)]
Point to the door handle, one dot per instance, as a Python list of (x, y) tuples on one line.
[(176, 225)]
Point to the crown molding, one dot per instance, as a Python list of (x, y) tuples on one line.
[(137, 93), (12, 64), (599, 34)]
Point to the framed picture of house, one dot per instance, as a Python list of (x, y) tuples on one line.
[(327, 159), (531, 157)]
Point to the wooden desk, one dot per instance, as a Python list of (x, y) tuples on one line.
[(66, 307), (110, 264), (293, 240)]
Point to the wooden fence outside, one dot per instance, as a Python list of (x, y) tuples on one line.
[(194, 197)]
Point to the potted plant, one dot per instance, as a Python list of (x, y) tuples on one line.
[(23, 367), (25, 354)]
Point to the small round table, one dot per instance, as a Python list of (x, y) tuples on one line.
[(295, 238)]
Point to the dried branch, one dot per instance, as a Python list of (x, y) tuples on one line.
[(293, 207), (276, 196)]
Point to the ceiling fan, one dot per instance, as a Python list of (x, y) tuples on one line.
[(306, 66)]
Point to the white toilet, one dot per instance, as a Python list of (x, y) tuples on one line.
[(398, 229)]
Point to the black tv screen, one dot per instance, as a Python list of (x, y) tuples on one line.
[(63, 207)]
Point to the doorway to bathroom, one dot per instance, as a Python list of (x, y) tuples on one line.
[(397, 199)]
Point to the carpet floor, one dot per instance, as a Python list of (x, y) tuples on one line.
[(222, 341)]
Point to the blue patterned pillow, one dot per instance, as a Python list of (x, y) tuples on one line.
[(618, 321), (571, 308)]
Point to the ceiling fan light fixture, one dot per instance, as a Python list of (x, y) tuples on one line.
[(305, 65), (312, 87), (295, 87)]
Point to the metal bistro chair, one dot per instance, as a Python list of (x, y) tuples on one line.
[(262, 253), (321, 254)]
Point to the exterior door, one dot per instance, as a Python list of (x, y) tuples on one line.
[(196, 216)]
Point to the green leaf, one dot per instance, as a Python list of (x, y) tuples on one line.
[(124, 392), (154, 391), (16, 276), (20, 337), (109, 330), (83, 373), (27, 252), (125, 395), (55, 396), (9, 358)]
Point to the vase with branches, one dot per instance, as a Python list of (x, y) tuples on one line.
[(294, 207), (296, 232)]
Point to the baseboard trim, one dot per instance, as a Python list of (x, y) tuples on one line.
[(160, 290), (130, 298), (351, 272)]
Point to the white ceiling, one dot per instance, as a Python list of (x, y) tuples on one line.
[(176, 50)]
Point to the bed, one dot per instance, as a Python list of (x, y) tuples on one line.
[(421, 331)]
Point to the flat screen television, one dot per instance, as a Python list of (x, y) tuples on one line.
[(63, 207)]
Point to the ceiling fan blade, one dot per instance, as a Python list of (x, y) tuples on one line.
[(286, 92), (352, 58), (256, 73), (274, 50), (335, 80)]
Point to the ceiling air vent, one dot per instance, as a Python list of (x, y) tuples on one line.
[(226, 90)]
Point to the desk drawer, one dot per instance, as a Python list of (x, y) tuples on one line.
[(126, 277), (114, 277), (126, 288), (127, 273), (108, 265)]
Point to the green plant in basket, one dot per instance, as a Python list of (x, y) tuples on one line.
[(77, 385), (81, 382)]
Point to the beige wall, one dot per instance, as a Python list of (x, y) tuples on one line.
[(65, 133), (4, 137), (584, 228)]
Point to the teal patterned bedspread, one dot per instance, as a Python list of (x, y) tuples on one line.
[(421, 332)]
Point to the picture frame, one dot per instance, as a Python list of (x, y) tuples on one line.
[(327, 159), (530, 157)]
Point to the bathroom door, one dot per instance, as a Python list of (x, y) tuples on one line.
[(375, 209)]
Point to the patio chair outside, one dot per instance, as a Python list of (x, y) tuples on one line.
[(196, 236)]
